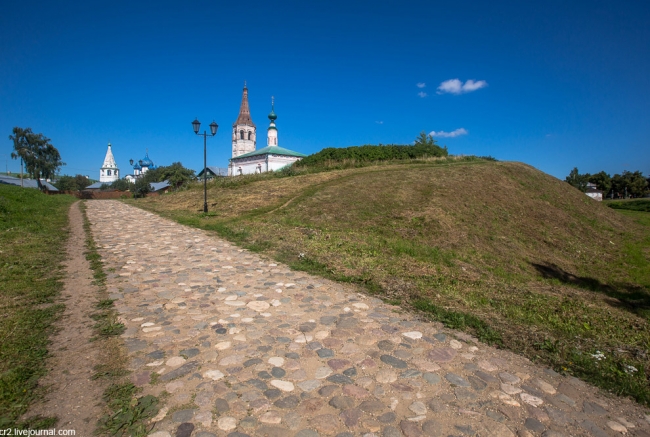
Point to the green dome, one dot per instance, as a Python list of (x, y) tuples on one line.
[(272, 116)]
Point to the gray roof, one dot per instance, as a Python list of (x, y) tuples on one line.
[(156, 186), (217, 171), (27, 183), (95, 186)]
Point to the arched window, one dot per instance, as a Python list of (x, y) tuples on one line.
[(250, 134), (108, 172), (241, 134), (116, 172)]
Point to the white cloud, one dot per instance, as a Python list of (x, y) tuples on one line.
[(379, 122), (421, 85), (452, 134), (472, 85), (422, 94), (455, 86)]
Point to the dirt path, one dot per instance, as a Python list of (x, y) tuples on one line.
[(72, 395)]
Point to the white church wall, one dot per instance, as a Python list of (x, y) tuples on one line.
[(277, 162), (260, 164)]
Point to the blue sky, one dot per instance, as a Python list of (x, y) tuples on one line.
[(554, 84)]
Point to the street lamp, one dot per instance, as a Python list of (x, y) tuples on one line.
[(139, 162), (196, 124)]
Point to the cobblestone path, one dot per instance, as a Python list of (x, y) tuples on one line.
[(248, 347)]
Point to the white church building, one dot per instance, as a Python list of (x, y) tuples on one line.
[(109, 172), (245, 158)]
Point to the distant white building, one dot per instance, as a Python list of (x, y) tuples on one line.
[(245, 159), (109, 171), (593, 192)]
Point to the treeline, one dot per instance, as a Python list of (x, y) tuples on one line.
[(624, 185), (425, 147), (177, 176)]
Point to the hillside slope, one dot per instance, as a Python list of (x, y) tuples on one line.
[(499, 249)]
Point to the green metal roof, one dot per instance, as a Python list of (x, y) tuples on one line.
[(271, 150)]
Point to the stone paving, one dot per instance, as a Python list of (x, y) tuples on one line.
[(236, 345)]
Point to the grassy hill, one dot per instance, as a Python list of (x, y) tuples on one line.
[(500, 250)]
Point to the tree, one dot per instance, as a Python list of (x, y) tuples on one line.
[(602, 180), (619, 184), (578, 180), (41, 158), (425, 144), (637, 185), (122, 185), (630, 183), (142, 187), (81, 182), (176, 174), (66, 183), (70, 183)]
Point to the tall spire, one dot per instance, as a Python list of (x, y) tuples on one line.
[(244, 117), (109, 160)]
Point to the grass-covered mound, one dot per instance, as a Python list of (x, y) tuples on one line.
[(501, 250), (32, 246)]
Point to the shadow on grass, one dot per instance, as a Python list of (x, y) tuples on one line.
[(634, 298)]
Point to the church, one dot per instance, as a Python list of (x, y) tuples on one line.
[(140, 167), (245, 158)]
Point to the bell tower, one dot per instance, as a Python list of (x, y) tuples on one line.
[(243, 130), (109, 171), (272, 132)]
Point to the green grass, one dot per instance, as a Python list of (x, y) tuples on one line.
[(130, 413), (531, 264), (631, 205), (33, 232)]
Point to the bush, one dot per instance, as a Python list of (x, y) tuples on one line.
[(425, 147)]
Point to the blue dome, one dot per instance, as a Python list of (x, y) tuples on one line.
[(137, 167), (146, 161)]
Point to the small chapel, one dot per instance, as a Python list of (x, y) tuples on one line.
[(245, 158)]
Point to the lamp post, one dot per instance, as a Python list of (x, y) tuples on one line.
[(196, 125), (139, 162)]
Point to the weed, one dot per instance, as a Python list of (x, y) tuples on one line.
[(460, 320), (130, 413), (104, 304)]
